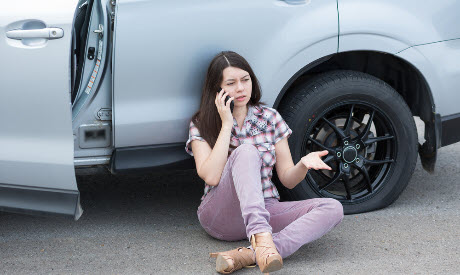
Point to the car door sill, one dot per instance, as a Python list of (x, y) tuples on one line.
[(40, 201), (152, 158)]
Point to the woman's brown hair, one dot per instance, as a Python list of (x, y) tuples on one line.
[(207, 118)]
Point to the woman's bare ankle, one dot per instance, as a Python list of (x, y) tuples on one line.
[(263, 234)]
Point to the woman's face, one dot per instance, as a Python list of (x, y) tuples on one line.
[(238, 84)]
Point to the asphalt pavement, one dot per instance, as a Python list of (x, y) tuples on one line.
[(147, 224)]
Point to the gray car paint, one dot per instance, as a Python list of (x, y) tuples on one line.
[(160, 60), (439, 64), (36, 142), (406, 23)]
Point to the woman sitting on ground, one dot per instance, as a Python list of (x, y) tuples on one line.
[(235, 153)]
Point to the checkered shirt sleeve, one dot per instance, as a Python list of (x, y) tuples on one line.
[(193, 134), (281, 128)]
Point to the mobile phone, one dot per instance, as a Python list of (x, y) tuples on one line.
[(231, 103)]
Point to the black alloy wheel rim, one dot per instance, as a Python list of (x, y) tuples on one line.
[(362, 148)]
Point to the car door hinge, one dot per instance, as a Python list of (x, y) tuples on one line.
[(112, 14)]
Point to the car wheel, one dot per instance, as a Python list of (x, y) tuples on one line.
[(368, 130)]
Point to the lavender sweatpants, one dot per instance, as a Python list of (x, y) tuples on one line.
[(235, 209)]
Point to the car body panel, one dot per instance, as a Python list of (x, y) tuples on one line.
[(409, 22), (160, 61), (371, 42), (438, 63), (36, 141)]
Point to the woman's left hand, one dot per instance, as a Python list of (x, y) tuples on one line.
[(313, 160)]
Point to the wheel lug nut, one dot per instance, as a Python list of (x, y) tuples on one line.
[(339, 154), (346, 142), (357, 146), (345, 165)]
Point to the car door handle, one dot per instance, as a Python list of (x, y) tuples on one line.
[(47, 33), (297, 2)]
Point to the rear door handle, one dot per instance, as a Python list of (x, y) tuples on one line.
[(47, 33)]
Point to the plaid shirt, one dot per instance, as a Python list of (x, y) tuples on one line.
[(262, 127)]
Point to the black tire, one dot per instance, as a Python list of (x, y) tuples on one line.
[(312, 110)]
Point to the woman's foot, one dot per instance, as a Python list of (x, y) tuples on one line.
[(268, 258), (235, 259)]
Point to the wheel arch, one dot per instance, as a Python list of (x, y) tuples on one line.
[(400, 74)]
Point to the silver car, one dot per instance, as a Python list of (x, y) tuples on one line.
[(111, 85)]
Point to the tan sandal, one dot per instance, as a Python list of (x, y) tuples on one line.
[(268, 258), (241, 256)]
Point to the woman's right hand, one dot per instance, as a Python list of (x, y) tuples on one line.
[(224, 108)]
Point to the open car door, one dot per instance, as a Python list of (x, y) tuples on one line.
[(36, 142)]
